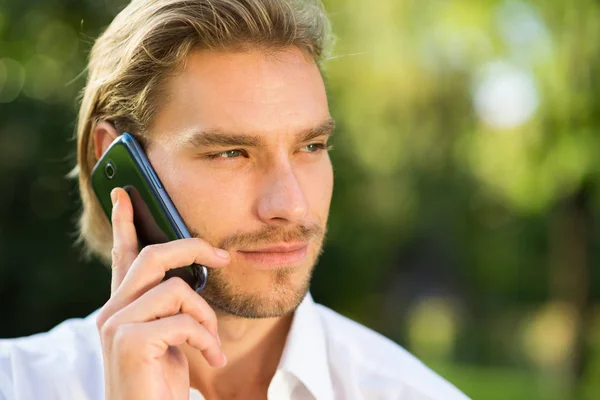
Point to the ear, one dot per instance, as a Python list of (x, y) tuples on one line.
[(104, 134)]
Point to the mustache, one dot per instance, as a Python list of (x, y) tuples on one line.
[(270, 234)]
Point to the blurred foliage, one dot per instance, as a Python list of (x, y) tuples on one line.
[(464, 217)]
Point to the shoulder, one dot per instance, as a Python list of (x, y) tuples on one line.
[(381, 367), (65, 362)]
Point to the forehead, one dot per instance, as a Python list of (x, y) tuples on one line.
[(254, 91)]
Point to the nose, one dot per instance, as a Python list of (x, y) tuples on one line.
[(281, 199)]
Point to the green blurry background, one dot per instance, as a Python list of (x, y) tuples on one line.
[(465, 214)]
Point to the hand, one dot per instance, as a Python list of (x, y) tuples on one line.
[(145, 320)]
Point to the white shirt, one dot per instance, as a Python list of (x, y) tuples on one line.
[(326, 357)]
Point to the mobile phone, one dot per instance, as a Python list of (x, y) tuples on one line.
[(124, 164)]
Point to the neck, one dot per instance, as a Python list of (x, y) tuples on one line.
[(253, 348)]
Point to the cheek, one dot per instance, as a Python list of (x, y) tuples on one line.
[(209, 203), (317, 185)]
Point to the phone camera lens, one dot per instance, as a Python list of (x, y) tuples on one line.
[(109, 170)]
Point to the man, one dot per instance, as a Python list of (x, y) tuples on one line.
[(228, 99)]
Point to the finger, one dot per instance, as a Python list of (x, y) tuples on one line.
[(151, 340), (149, 268), (125, 244), (169, 298)]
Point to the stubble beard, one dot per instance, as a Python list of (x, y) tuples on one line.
[(286, 291)]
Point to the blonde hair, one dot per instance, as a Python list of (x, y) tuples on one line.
[(150, 41)]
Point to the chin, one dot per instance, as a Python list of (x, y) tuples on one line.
[(258, 294)]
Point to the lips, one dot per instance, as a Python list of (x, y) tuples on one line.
[(278, 248), (273, 256)]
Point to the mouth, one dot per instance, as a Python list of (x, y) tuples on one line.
[(277, 255)]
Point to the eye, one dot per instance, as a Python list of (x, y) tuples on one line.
[(226, 154), (315, 147)]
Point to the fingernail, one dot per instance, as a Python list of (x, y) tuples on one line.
[(224, 358), (218, 339), (114, 196), (222, 253)]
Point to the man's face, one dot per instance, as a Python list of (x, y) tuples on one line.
[(239, 146)]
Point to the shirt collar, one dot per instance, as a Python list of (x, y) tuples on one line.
[(305, 352)]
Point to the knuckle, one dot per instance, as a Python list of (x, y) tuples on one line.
[(208, 314), (203, 304), (200, 243), (150, 253), (173, 287), (101, 318), (122, 337), (109, 329), (117, 255), (211, 316), (176, 284), (188, 322), (99, 323)]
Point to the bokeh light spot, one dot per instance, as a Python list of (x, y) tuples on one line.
[(505, 96), (14, 77)]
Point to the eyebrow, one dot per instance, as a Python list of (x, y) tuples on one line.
[(220, 138)]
